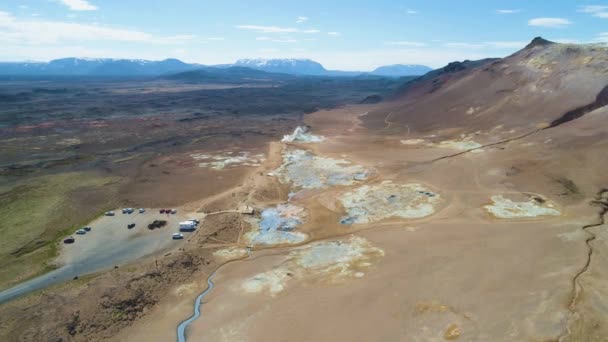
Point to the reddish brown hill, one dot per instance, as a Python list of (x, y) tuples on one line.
[(532, 88)]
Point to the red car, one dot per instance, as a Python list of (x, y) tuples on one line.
[(162, 211)]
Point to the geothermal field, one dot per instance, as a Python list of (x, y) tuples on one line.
[(468, 205)]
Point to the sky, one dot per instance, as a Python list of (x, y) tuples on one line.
[(340, 34)]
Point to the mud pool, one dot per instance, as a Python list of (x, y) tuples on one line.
[(462, 145), (535, 206), (326, 262), (230, 253), (305, 170), (372, 203), (276, 225), (412, 141), (228, 159), (465, 144)]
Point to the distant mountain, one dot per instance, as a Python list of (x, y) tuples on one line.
[(232, 74), (399, 70), (310, 67), (285, 66), (96, 67), (139, 67)]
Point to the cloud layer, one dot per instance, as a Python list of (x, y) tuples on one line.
[(36, 32), (79, 5), (549, 22)]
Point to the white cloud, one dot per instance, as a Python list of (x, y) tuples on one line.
[(79, 5), (285, 40), (567, 41), (277, 40), (40, 31), (333, 33), (267, 29), (405, 43), (275, 29), (301, 20), (411, 11), (599, 11), (216, 38), (592, 8), (23, 7), (549, 22), (508, 11)]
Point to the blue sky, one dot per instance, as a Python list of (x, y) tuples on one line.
[(347, 35)]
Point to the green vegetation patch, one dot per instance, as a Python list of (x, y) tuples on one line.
[(38, 213)]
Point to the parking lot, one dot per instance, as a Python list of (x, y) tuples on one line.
[(109, 243)]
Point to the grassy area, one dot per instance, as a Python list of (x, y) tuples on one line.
[(37, 213)]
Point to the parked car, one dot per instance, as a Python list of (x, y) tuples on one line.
[(110, 213), (69, 240), (142, 210), (187, 226), (81, 232), (173, 211), (130, 210), (162, 211), (177, 236), (87, 228), (131, 225)]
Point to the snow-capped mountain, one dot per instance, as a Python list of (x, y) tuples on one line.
[(96, 67), (139, 67), (310, 67), (285, 66), (398, 70)]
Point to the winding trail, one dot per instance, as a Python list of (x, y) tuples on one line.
[(181, 328), (601, 200)]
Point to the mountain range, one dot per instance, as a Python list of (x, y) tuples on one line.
[(310, 67), (144, 68), (96, 67)]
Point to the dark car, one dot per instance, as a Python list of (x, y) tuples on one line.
[(131, 225), (162, 211), (87, 228), (69, 240)]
